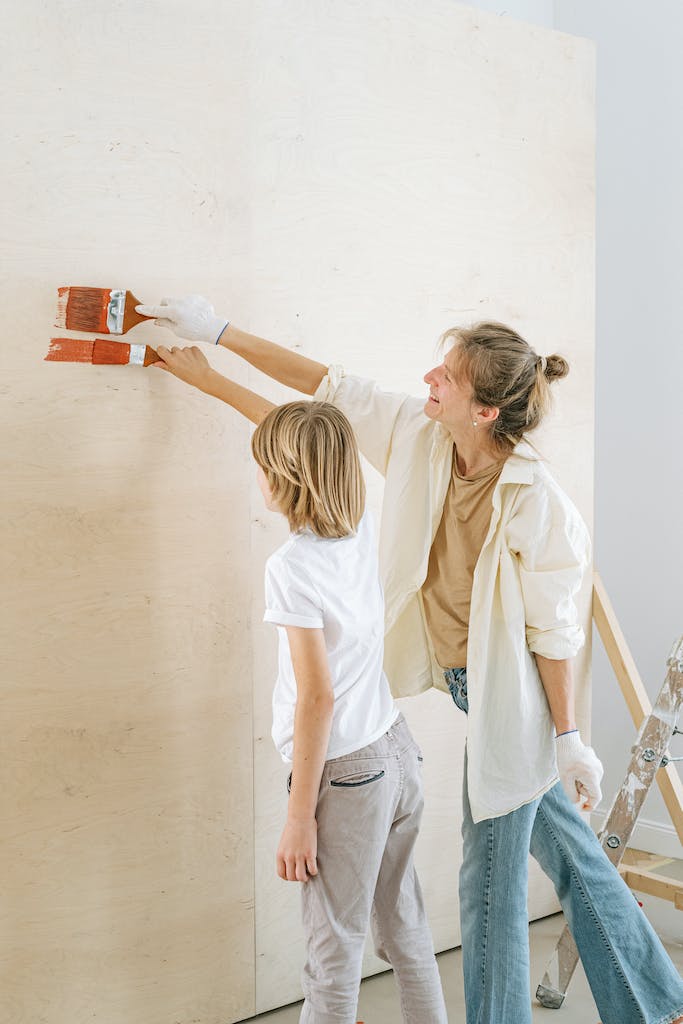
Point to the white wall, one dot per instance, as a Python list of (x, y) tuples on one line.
[(639, 408), (639, 352)]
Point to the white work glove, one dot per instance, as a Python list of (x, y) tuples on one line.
[(193, 318), (580, 771)]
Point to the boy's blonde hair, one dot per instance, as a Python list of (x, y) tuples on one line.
[(309, 455)]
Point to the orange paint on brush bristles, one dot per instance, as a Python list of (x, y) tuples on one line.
[(83, 309), (86, 309), (99, 351), (110, 353), (70, 350)]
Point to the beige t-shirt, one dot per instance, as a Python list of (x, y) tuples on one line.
[(447, 590)]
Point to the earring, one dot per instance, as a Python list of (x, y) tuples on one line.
[(474, 423)]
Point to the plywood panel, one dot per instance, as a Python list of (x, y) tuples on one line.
[(417, 166), (348, 179), (127, 843)]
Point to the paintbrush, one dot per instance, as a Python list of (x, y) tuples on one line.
[(100, 351), (99, 310)]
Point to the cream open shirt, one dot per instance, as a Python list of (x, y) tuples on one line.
[(525, 581)]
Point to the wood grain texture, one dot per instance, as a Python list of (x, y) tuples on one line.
[(353, 180), (127, 845), (417, 168)]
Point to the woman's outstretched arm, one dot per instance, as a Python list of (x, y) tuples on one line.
[(283, 365)]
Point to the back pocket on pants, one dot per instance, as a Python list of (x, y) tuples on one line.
[(356, 779)]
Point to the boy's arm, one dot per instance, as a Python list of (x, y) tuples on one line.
[(192, 366), (193, 318), (297, 851)]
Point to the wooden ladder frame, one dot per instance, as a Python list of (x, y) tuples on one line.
[(648, 762)]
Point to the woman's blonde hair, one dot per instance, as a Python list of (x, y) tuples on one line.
[(505, 373), (309, 455)]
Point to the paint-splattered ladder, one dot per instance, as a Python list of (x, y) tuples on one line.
[(649, 761)]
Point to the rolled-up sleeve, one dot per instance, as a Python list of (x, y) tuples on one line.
[(372, 413), (551, 543), (291, 597)]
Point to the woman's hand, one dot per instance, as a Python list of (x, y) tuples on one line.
[(188, 364), (580, 771), (298, 849), (193, 318)]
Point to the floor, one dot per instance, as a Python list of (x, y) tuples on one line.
[(378, 1002)]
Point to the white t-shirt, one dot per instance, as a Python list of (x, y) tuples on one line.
[(332, 585)]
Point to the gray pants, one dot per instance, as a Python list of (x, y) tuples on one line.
[(368, 816)]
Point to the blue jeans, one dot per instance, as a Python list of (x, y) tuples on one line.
[(632, 979)]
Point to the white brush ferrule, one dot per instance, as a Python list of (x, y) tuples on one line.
[(137, 355), (115, 311)]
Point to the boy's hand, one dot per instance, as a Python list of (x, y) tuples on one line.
[(188, 364), (298, 849), (192, 318)]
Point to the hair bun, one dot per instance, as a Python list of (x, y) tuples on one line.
[(556, 367)]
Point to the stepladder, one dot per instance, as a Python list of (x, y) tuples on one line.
[(650, 761)]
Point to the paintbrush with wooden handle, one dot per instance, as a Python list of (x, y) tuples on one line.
[(98, 310), (99, 351)]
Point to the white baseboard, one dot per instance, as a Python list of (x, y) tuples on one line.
[(650, 836)]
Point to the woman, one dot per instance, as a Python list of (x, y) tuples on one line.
[(481, 555)]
